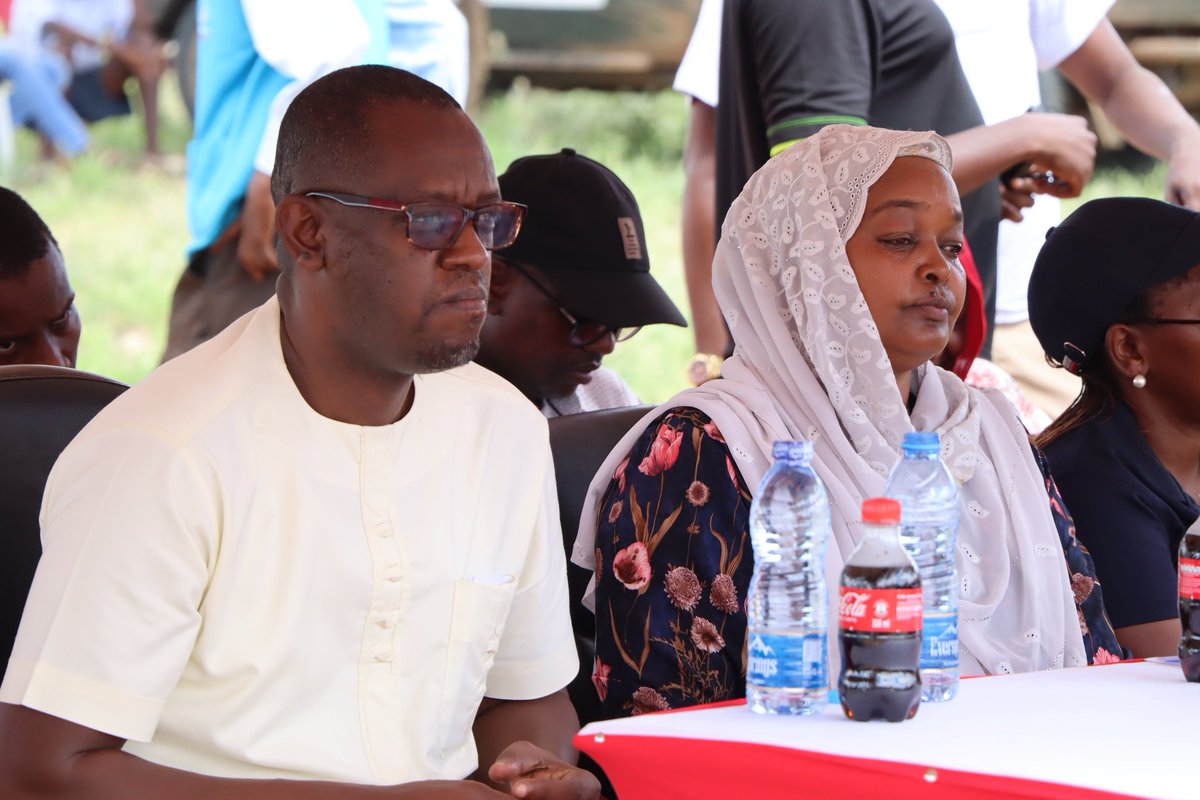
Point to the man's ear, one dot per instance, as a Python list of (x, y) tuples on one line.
[(300, 232), (1126, 350), (501, 286)]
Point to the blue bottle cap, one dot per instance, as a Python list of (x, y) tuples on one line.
[(792, 452), (922, 442)]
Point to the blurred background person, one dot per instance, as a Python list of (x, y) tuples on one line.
[(34, 100), (429, 38), (98, 46), (890, 64), (1002, 47), (253, 57), (1115, 299), (576, 281), (39, 323)]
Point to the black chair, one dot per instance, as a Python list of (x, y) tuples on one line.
[(580, 443), (41, 410)]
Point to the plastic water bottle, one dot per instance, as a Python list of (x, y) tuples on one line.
[(788, 605), (928, 498)]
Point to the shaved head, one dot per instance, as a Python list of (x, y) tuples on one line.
[(326, 128)]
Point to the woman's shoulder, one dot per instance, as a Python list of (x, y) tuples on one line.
[(1091, 449), (680, 447)]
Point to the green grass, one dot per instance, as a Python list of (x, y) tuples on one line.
[(123, 230)]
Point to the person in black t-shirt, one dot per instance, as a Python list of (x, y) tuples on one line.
[(790, 67)]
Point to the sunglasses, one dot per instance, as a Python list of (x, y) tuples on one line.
[(583, 332), (437, 226)]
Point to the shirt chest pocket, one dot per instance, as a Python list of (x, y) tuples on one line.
[(478, 612)]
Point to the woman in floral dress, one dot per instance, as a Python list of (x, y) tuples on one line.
[(837, 298)]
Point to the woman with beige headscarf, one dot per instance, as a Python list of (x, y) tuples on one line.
[(838, 275)]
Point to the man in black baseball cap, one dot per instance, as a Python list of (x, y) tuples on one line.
[(576, 281)]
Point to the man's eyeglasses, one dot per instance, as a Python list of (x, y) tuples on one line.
[(437, 226), (583, 332), (1161, 321)]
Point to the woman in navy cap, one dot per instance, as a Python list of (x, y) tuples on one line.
[(1115, 299)]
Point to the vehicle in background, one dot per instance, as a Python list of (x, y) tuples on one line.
[(599, 44)]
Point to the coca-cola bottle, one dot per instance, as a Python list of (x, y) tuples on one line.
[(879, 621), (1189, 603)]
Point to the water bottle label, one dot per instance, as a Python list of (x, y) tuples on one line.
[(939, 642), (783, 661), (1189, 579), (880, 610)]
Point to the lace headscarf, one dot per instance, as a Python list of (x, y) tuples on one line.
[(809, 364)]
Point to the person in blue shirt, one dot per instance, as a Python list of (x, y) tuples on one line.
[(252, 59)]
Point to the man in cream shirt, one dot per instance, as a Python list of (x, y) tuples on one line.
[(304, 550)]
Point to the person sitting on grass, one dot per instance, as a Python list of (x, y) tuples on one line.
[(97, 46), (39, 323)]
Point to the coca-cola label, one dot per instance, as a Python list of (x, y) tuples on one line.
[(880, 610), (1189, 579), (787, 661)]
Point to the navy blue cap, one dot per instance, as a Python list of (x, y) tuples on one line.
[(1093, 265)]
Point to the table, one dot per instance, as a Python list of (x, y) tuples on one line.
[(1114, 731)]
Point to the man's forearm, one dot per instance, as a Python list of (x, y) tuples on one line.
[(43, 757), (549, 722), (1134, 98), (1148, 115)]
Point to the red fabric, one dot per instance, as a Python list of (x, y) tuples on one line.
[(974, 315), (5, 11), (653, 767)]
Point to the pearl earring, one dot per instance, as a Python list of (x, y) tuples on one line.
[(1139, 381)]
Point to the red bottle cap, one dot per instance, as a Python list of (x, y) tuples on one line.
[(882, 510)]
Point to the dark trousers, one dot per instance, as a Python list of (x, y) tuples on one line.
[(213, 291)]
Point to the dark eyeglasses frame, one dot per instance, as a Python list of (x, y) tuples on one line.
[(468, 214), (1160, 321), (579, 327)]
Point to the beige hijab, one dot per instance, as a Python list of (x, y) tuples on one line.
[(809, 364)]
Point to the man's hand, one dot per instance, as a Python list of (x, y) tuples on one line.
[(256, 244), (1066, 147), (536, 774), (1016, 195)]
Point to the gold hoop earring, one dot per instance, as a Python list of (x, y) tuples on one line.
[(1139, 381)]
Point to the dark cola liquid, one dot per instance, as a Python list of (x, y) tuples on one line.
[(1189, 613), (880, 671)]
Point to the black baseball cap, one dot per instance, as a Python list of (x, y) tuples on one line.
[(584, 233), (1093, 265)]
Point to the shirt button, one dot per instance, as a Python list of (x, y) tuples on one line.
[(383, 658)]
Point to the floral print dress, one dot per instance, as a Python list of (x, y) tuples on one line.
[(674, 561)]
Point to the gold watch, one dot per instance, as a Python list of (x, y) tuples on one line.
[(704, 367)]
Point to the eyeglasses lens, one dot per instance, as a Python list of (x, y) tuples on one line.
[(587, 333), (436, 226)]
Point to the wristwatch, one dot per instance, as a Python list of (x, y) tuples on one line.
[(704, 367)]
